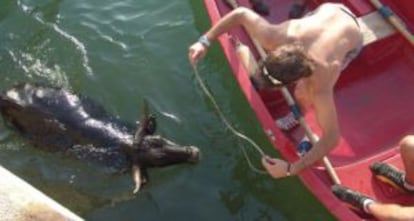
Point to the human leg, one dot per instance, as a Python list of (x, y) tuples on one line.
[(394, 177), (362, 203), (353, 199), (390, 212), (407, 155)]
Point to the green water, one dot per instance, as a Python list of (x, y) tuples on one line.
[(118, 53)]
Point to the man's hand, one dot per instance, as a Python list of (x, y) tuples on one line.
[(277, 168), (196, 52)]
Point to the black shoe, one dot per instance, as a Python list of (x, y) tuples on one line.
[(296, 10), (352, 198), (390, 175)]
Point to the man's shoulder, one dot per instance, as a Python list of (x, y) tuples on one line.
[(324, 79), (323, 67)]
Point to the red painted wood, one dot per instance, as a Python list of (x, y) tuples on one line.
[(374, 102)]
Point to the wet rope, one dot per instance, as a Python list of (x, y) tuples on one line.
[(228, 125)]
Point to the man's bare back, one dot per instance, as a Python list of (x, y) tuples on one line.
[(328, 34), (330, 27)]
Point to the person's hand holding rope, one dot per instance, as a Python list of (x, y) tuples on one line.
[(198, 50), (277, 168)]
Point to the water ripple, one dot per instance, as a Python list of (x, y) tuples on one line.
[(107, 37), (79, 45), (76, 42)]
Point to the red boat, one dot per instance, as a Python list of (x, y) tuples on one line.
[(372, 97)]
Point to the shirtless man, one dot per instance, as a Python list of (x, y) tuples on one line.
[(311, 51)]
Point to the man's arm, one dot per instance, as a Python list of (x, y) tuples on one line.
[(260, 29), (325, 111), (257, 27), (326, 115)]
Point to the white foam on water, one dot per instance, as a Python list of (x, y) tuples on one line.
[(78, 44), (35, 66), (171, 116), (110, 39), (104, 36)]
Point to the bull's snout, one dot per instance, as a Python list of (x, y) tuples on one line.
[(194, 154)]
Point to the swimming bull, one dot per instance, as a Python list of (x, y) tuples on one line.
[(57, 120)]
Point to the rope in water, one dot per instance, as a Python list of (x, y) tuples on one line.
[(228, 125)]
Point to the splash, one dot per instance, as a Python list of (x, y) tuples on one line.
[(36, 67), (171, 116)]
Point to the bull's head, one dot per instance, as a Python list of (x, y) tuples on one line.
[(151, 150)]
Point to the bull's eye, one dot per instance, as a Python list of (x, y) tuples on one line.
[(153, 142)]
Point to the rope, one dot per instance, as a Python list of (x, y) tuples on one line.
[(228, 125)]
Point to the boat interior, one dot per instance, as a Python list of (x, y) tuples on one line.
[(372, 94)]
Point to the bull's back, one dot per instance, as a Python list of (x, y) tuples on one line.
[(57, 120)]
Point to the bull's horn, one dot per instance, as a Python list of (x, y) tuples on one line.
[(142, 124), (136, 176)]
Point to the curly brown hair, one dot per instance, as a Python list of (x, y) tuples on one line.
[(287, 64)]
